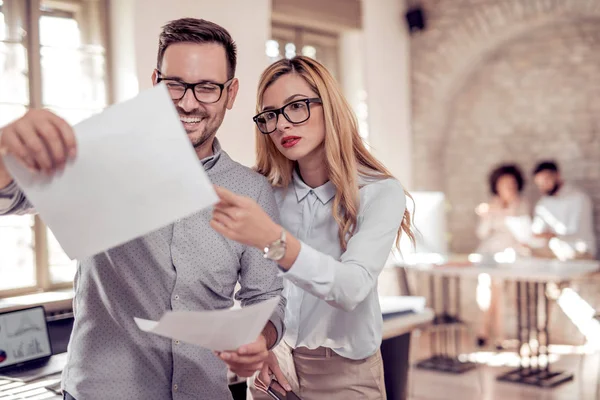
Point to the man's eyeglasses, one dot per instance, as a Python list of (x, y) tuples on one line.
[(295, 112), (206, 92)]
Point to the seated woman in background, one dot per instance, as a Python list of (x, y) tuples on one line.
[(506, 185)]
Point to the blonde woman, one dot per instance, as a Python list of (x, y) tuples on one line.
[(341, 210)]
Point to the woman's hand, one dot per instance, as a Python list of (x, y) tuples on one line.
[(271, 370), (241, 219)]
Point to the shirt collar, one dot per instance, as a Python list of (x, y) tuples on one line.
[(324, 193), (210, 161)]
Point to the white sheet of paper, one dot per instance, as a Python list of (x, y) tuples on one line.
[(394, 304), (217, 330), (135, 172)]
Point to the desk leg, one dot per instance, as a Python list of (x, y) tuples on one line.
[(444, 350), (433, 335), (457, 335), (530, 374), (445, 316), (395, 353), (545, 328)]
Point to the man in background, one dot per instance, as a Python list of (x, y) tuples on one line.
[(183, 266), (564, 215)]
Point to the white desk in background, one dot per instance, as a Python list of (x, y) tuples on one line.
[(531, 277), (529, 270), (399, 325), (401, 316)]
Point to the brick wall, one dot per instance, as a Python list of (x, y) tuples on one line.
[(496, 81)]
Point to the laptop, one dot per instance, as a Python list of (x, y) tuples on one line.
[(27, 364)]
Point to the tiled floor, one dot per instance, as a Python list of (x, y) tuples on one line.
[(481, 384)]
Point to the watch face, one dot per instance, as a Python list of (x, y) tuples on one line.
[(276, 252)]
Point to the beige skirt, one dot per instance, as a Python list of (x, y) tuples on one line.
[(322, 374)]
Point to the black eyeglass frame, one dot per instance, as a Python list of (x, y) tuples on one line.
[(192, 86), (280, 111)]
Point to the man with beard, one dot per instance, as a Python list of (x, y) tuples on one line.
[(183, 266), (564, 214)]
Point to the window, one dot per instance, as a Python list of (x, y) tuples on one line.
[(289, 41), (52, 55)]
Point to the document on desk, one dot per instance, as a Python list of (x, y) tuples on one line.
[(217, 330), (135, 172)]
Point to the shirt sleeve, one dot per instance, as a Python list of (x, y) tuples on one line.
[(484, 228), (345, 283), (13, 201), (259, 279), (581, 213), (539, 223)]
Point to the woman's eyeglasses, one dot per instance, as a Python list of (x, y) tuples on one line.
[(296, 112)]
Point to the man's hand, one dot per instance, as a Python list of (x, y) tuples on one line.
[(271, 370), (40, 140), (5, 178), (248, 359)]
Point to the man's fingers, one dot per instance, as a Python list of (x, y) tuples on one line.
[(265, 375), (39, 140), (13, 145), (67, 134), (35, 146), (54, 142), (280, 377), (3, 148), (252, 348), (244, 359)]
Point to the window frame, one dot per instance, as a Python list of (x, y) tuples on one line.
[(303, 35), (33, 13)]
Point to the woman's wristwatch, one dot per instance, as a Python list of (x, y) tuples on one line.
[(276, 250)]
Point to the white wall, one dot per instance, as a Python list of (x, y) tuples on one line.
[(352, 71), (135, 25), (125, 83), (387, 68)]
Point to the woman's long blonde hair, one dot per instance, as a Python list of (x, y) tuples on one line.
[(345, 152)]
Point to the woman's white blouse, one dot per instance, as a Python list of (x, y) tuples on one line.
[(332, 298)]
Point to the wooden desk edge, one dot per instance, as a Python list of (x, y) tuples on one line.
[(400, 325)]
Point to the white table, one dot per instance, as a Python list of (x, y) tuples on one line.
[(531, 277), (399, 325), (530, 270), (395, 349)]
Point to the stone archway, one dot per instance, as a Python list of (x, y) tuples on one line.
[(461, 35)]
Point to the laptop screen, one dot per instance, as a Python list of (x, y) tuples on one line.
[(23, 337)]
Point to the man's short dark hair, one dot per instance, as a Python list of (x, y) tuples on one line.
[(193, 30), (548, 165), (502, 170)]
